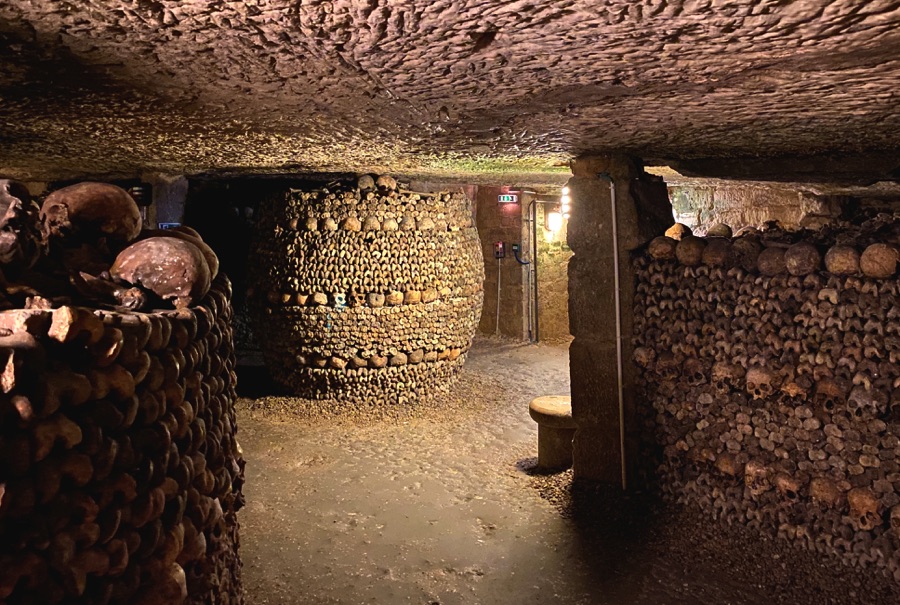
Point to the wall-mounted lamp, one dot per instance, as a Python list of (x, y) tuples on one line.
[(554, 222)]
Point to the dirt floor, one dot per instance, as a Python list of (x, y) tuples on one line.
[(442, 506)]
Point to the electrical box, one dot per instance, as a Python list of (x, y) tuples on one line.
[(515, 248), (499, 250)]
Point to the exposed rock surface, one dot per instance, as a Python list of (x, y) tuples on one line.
[(415, 86)]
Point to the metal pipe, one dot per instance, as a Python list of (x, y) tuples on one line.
[(619, 371), (534, 257), (528, 270), (499, 275), (534, 264)]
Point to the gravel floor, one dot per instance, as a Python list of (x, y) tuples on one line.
[(441, 505)]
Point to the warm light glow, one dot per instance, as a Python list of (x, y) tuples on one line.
[(565, 200), (554, 221), (565, 191)]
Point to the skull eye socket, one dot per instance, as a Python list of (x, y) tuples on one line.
[(791, 494)]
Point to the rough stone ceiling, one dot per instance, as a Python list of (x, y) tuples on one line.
[(477, 88)]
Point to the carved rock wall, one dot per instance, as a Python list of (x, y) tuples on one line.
[(365, 292), (120, 475), (322, 85)]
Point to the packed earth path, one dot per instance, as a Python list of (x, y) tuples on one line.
[(441, 505)]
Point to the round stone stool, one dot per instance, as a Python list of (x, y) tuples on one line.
[(556, 429)]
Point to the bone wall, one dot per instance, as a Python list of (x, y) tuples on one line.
[(119, 472), (366, 291), (768, 384)]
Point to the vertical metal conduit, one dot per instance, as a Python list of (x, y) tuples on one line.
[(619, 371)]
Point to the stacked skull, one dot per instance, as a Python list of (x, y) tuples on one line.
[(770, 385), (366, 292), (120, 473)]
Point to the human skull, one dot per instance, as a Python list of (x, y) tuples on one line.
[(830, 392), (756, 478), (644, 356), (864, 508), (724, 375), (662, 248), (386, 183), (726, 463), (802, 258), (760, 382), (694, 371), (879, 260), (718, 253), (667, 366), (746, 252), (365, 182), (796, 389), (824, 492), (771, 261), (87, 211), (719, 230), (689, 250), (842, 260), (863, 401), (895, 520), (788, 486)]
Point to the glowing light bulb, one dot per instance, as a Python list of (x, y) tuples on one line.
[(554, 221)]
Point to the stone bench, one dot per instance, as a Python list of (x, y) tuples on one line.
[(556, 429)]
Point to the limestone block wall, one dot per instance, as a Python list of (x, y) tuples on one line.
[(768, 383), (366, 292), (553, 280), (702, 203), (643, 211), (502, 222), (120, 475)]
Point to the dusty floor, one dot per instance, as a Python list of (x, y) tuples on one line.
[(439, 507)]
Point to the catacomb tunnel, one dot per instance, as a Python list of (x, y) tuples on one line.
[(449, 302)]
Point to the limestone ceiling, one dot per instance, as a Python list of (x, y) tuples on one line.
[(478, 88)]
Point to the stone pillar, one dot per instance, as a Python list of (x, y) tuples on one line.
[(169, 195), (643, 211)]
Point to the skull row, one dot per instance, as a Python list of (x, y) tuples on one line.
[(340, 310), (773, 400), (775, 252)]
